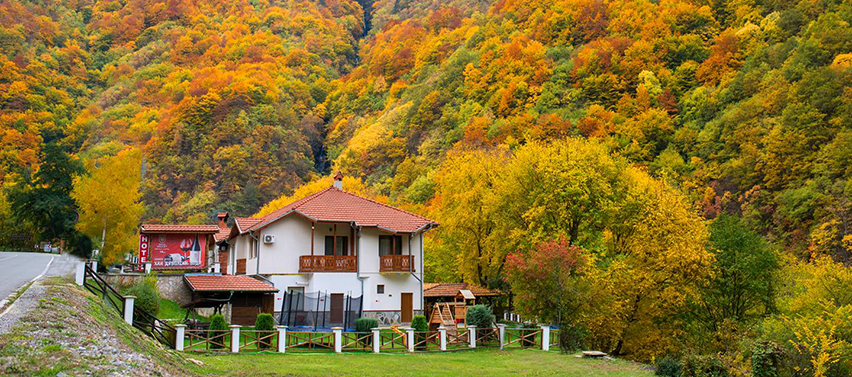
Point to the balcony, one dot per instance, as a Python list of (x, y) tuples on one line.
[(396, 263), (327, 263)]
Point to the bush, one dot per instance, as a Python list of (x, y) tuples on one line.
[(217, 323), (571, 338), (703, 366), (264, 322), (147, 295), (668, 366), (480, 316), (765, 360), (419, 323), (366, 324)]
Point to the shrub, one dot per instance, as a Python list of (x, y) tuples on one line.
[(765, 360), (147, 295), (668, 366), (419, 323), (480, 316), (571, 338), (217, 324), (264, 322), (702, 366), (366, 324)]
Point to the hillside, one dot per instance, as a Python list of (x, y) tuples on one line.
[(689, 161)]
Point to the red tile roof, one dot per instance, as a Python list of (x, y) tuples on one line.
[(221, 235), (174, 228), (452, 289), (226, 283), (244, 223), (335, 205)]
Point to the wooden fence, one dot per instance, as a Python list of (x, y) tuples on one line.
[(250, 340)]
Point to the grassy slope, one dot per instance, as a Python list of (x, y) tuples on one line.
[(462, 363), (73, 332)]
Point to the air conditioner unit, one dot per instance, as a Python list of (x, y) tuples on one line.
[(268, 238)]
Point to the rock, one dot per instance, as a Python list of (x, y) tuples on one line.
[(594, 354), (196, 362)]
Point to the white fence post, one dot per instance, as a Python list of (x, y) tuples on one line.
[(377, 340), (148, 267), (471, 336), (180, 334), (235, 338), (545, 337), (409, 338), (338, 339), (442, 331), (501, 329), (282, 338), (128, 309), (95, 266), (81, 273)]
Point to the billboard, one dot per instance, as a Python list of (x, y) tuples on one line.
[(172, 251)]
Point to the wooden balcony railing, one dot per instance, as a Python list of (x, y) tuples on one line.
[(327, 263), (396, 263)]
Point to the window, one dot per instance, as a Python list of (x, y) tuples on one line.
[(342, 245), (252, 249), (380, 289), (390, 245)]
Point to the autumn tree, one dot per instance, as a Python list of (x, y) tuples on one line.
[(108, 197), (547, 284)]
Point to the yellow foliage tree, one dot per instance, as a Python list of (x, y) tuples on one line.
[(109, 203)]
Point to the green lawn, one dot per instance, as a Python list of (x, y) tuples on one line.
[(485, 362)]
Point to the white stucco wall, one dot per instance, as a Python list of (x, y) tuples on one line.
[(279, 261)]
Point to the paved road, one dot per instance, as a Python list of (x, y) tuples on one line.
[(17, 269)]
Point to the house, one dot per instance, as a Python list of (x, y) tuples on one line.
[(336, 246)]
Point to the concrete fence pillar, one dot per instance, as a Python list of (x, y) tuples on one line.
[(148, 267), (282, 338), (128, 309), (471, 336), (80, 276), (545, 337), (377, 340), (235, 338), (409, 338), (94, 266), (180, 334), (501, 333), (338, 339), (442, 334)]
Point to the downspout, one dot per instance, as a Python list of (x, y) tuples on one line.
[(357, 241), (411, 269)]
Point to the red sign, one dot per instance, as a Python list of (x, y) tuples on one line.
[(175, 251)]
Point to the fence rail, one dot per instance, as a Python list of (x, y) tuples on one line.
[(142, 319)]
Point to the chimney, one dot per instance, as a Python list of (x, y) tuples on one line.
[(338, 181), (223, 220)]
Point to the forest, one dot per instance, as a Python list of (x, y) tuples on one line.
[(668, 180)]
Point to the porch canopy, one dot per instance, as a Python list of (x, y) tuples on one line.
[(248, 296)]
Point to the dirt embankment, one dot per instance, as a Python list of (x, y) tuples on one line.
[(69, 332)]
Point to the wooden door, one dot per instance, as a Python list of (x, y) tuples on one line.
[(407, 309), (337, 308)]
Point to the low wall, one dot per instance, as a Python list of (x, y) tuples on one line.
[(171, 286)]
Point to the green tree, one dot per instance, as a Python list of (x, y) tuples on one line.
[(44, 197)]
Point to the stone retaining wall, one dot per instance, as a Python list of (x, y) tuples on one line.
[(171, 286)]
